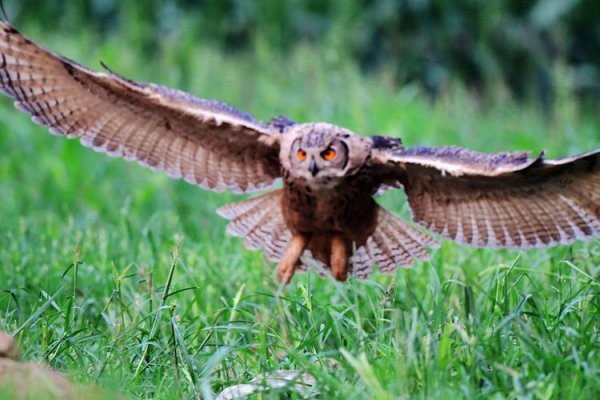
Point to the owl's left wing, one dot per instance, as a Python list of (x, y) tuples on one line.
[(202, 141), (502, 200)]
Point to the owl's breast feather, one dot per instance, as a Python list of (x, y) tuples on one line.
[(347, 209)]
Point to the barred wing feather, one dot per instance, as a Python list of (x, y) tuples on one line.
[(502, 200), (205, 142)]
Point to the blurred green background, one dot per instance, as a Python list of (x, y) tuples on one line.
[(521, 48)]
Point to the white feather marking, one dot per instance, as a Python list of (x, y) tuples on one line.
[(508, 240), (564, 237), (475, 238), (460, 235), (524, 241), (492, 240)]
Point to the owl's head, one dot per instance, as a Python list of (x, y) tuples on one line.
[(321, 153)]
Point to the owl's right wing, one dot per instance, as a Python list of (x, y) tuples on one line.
[(496, 200), (202, 141)]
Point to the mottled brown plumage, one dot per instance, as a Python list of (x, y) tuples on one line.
[(325, 215)]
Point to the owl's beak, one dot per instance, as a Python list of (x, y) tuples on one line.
[(312, 167)]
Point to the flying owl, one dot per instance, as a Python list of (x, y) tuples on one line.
[(325, 213)]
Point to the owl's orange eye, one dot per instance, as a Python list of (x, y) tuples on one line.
[(301, 154), (328, 154)]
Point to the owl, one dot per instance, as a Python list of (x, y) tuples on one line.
[(325, 214)]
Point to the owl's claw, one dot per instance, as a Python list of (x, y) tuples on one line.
[(285, 273), (339, 259), (340, 275), (291, 259)]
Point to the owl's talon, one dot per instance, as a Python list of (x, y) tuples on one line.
[(291, 259), (285, 275), (341, 276), (339, 259)]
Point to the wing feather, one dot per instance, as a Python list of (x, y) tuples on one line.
[(502, 200), (203, 141)]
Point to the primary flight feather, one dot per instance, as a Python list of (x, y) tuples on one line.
[(325, 213)]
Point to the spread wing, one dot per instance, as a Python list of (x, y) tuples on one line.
[(497, 200), (202, 141)]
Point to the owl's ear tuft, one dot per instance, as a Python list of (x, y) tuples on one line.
[(386, 143), (281, 123)]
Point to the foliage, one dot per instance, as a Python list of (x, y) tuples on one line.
[(484, 44), (122, 276)]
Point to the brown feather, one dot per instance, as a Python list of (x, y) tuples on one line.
[(203, 141), (499, 200), (393, 244), (259, 220)]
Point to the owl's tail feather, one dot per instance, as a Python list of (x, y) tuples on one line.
[(394, 243), (260, 222)]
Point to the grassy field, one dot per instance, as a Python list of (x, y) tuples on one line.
[(123, 277)]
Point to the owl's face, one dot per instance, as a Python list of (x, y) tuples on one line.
[(322, 154)]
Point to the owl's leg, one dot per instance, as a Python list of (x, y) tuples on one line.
[(291, 259), (339, 258)]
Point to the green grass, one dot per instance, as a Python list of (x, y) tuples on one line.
[(123, 277)]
